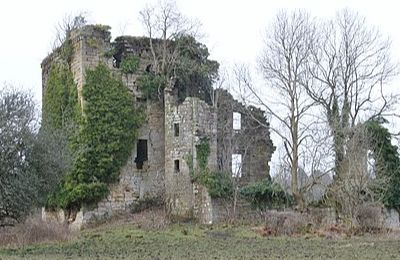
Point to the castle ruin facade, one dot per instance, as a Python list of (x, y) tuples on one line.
[(158, 168)]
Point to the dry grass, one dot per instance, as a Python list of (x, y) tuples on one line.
[(33, 231), (188, 241), (152, 218)]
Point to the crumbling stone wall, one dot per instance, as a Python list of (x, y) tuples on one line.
[(196, 121), (163, 172), (252, 141), (90, 45)]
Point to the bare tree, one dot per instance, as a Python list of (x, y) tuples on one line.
[(351, 64), (64, 28), (357, 186), (164, 22), (283, 62)]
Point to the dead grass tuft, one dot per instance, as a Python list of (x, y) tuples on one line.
[(33, 231)]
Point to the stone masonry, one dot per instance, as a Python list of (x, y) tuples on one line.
[(158, 167)]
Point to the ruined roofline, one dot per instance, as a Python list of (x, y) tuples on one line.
[(92, 30)]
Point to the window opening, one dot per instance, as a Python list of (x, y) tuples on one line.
[(237, 121), (141, 153), (176, 129), (176, 166), (236, 165)]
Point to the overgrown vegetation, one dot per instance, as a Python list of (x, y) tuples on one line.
[(195, 73), (34, 231), (107, 130), (387, 160), (130, 64), (60, 106), (151, 85), (184, 241), (20, 183), (203, 152), (219, 184), (266, 194)]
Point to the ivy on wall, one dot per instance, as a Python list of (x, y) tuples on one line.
[(60, 106), (218, 184), (130, 64), (107, 130), (151, 84)]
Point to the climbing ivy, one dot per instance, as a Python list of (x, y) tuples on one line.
[(151, 84), (219, 184), (106, 136), (130, 64), (60, 104), (387, 160), (203, 151)]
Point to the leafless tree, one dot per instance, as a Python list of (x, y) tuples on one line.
[(351, 65), (357, 186), (284, 62), (164, 22), (69, 23), (243, 139)]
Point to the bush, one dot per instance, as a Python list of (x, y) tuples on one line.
[(370, 217), (151, 84), (266, 194), (130, 64), (20, 184), (287, 223), (33, 231), (219, 184)]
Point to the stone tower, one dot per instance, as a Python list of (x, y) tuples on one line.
[(186, 125)]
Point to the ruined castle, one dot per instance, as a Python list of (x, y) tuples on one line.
[(158, 168)]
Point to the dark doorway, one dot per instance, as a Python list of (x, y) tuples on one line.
[(141, 154)]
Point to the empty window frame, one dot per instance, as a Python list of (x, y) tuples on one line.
[(236, 165), (237, 117), (176, 166), (141, 153), (176, 129)]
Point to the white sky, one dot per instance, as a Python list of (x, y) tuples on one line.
[(233, 29)]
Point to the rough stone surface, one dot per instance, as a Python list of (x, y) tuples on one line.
[(252, 141), (197, 121), (391, 218), (158, 178)]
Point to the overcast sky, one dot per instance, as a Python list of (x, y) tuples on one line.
[(233, 29)]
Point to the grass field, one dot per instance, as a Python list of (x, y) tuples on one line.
[(188, 241)]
